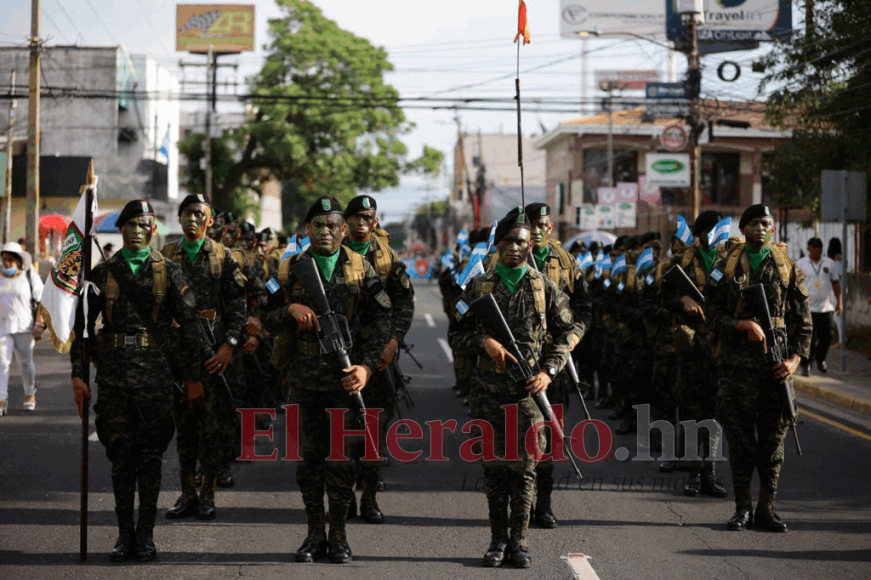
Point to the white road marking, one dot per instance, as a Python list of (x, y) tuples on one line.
[(93, 437), (580, 565), (447, 348), (429, 320)]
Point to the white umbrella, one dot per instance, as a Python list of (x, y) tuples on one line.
[(603, 238)]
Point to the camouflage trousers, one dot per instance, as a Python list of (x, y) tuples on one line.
[(202, 432), (587, 355), (696, 393), (376, 395), (135, 426), (632, 369), (315, 473), (751, 412), (662, 383)]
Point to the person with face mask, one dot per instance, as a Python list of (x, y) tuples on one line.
[(317, 382), (540, 316), (219, 286), (141, 295), (750, 403), (20, 291)]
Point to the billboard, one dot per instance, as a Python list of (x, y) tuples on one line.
[(667, 170), (612, 18), (224, 27), (739, 23), (627, 80)]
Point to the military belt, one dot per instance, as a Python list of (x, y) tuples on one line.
[(308, 348), (141, 340), (211, 314), (488, 364)]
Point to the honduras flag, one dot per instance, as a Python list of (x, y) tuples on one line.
[(164, 148), (304, 244), (720, 233), (600, 259), (447, 260), (584, 261), (606, 265), (463, 238), (619, 266), (291, 249), (683, 231), (645, 261), (492, 236), (475, 267)]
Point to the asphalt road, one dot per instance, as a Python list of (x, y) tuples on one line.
[(629, 519)]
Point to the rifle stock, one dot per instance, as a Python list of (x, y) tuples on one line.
[(676, 277)]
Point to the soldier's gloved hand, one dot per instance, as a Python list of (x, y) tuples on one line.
[(388, 354), (498, 353), (693, 308), (250, 345), (754, 332), (358, 376), (81, 393), (193, 393), (218, 363), (253, 326), (782, 371), (538, 383), (305, 317)]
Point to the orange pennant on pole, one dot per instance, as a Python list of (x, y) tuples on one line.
[(522, 24)]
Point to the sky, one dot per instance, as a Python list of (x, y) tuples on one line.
[(450, 48)]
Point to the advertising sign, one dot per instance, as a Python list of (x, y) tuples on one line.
[(628, 80), (625, 214), (648, 193), (674, 138), (667, 170), (736, 21), (604, 217), (612, 18), (665, 91), (607, 195), (224, 27), (586, 217)]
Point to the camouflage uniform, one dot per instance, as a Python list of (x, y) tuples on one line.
[(202, 434), (315, 378), (135, 393), (749, 404), (512, 481), (634, 356)]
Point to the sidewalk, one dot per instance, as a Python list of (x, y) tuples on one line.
[(850, 390)]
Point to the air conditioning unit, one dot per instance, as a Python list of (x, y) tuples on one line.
[(689, 6)]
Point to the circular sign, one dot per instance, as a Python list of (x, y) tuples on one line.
[(674, 137), (736, 71), (421, 267)]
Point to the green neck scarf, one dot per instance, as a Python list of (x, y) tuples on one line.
[(541, 255), (135, 260), (193, 248), (361, 248), (709, 256), (326, 264), (756, 256), (511, 277)]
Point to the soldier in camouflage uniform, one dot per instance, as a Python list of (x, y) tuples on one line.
[(219, 287), (603, 301), (135, 385), (560, 267), (354, 290), (540, 316), (750, 404), (586, 354), (371, 243)]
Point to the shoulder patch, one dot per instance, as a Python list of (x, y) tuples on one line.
[(273, 286), (607, 283), (406, 283), (462, 307), (239, 277), (650, 279), (716, 275), (383, 299), (620, 287)]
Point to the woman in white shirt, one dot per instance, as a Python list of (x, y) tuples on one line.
[(20, 292)]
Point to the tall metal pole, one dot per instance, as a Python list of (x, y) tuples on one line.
[(844, 278), (32, 212), (6, 207), (207, 145), (88, 191), (695, 116), (610, 176)]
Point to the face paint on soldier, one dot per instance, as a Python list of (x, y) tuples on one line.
[(361, 225), (194, 220), (632, 255), (541, 229), (514, 248), (326, 233), (137, 232), (249, 241), (216, 230), (231, 235), (759, 231)]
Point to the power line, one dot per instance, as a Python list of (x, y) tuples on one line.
[(53, 23), (103, 22), (151, 26), (69, 19)]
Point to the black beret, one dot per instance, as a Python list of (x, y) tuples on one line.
[(754, 211), (595, 247), (192, 199), (633, 242), (479, 235), (229, 217), (649, 237), (705, 222), (621, 241), (325, 204), (360, 203), (266, 234), (514, 219), (607, 249), (537, 210), (134, 209), (247, 228)]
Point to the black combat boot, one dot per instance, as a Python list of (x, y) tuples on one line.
[(125, 545), (225, 479), (765, 518), (369, 510), (145, 550), (315, 544), (199, 478), (710, 485), (544, 488), (742, 518), (497, 551), (340, 551), (693, 488), (207, 509), (187, 504), (518, 544)]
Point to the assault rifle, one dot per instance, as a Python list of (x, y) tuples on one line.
[(407, 348), (678, 279), (398, 390), (488, 311), (208, 335), (573, 375), (756, 300)]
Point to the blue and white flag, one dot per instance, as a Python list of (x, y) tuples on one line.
[(475, 267), (684, 233), (720, 233), (164, 148), (447, 260), (492, 236), (645, 261), (304, 244), (584, 261), (619, 265), (463, 238), (291, 248), (600, 260), (606, 263)]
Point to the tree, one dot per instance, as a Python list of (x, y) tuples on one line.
[(821, 81), (325, 120)]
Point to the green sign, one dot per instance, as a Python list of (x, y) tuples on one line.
[(667, 166)]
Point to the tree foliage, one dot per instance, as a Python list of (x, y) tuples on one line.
[(820, 83)]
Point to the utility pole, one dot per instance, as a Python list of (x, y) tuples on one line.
[(32, 212), (207, 144), (6, 207), (610, 176), (693, 13)]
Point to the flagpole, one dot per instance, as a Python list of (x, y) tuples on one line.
[(519, 132), (88, 191)]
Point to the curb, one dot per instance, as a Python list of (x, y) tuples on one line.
[(855, 404)]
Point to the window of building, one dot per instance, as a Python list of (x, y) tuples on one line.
[(596, 166), (721, 178), (561, 197)]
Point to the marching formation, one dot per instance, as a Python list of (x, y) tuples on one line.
[(223, 320)]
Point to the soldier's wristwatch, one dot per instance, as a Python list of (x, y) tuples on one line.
[(232, 342), (551, 372)]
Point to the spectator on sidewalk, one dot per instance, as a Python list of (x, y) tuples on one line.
[(823, 283), (20, 292)]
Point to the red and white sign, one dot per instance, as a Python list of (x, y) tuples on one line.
[(647, 193), (607, 195), (674, 138), (626, 80), (627, 192)]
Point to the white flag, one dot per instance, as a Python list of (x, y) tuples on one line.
[(61, 294)]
